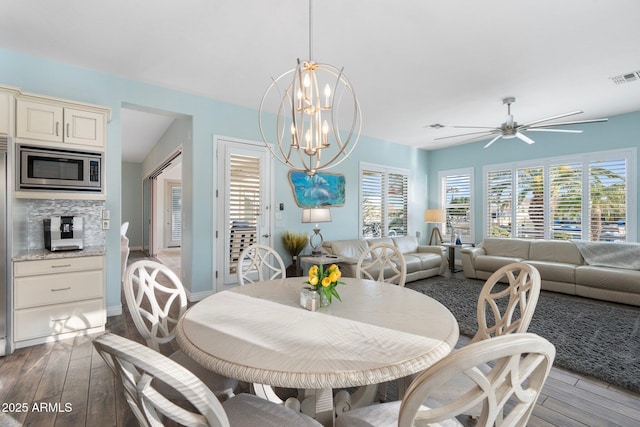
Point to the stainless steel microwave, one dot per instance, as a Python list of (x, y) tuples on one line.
[(42, 168)]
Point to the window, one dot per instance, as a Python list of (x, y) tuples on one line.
[(574, 198), (456, 191), (384, 201)]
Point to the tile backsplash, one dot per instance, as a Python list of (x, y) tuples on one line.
[(29, 213)]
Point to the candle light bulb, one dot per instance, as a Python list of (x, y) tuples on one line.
[(325, 133), (306, 81), (327, 93), (307, 137)]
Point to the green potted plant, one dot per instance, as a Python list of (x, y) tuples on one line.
[(294, 243)]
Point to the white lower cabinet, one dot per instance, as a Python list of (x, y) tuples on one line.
[(57, 296)]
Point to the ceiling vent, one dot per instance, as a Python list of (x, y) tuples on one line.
[(626, 78)]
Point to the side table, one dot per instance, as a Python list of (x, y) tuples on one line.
[(452, 254), (323, 260)]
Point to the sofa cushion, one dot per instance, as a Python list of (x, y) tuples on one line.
[(555, 271), (377, 240), (348, 248), (428, 260), (616, 279), (413, 263), (563, 251), (406, 244), (513, 248), (492, 263)]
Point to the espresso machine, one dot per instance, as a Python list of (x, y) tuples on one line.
[(63, 233)]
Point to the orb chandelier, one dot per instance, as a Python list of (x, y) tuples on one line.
[(308, 132)]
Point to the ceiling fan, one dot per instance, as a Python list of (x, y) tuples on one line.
[(511, 129)]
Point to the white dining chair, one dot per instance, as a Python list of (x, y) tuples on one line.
[(156, 300), (124, 256), (124, 228), (507, 393), (382, 262), (258, 263), (140, 370), (506, 305), (503, 310)]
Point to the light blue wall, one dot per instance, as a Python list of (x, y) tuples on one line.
[(344, 223), (209, 118), (131, 196), (619, 132)]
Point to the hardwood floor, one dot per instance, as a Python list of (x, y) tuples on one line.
[(67, 384)]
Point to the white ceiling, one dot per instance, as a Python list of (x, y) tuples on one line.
[(413, 63), (140, 132)]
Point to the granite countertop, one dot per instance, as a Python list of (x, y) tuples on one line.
[(35, 254)]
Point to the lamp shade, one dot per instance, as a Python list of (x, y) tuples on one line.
[(434, 215), (316, 215)]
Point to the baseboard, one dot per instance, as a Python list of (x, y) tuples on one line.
[(198, 296), (114, 311)]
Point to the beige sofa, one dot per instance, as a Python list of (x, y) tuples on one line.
[(422, 261), (563, 267)]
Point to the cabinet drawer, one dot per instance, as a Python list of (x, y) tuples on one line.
[(57, 319), (58, 265), (31, 291)]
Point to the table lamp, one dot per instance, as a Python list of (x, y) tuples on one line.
[(435, 216), (311, 215)]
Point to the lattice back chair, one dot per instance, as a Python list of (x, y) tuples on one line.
[(382, 262), (503, 310), (507, 393), (258, 263), (141, 370), (157, 300)]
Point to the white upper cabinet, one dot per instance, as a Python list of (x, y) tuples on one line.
[(59, 122), (7, 98)]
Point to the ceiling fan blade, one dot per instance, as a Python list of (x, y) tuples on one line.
[(525, 138), (474, 127), (577, 122), (466, 134), (559, 116), (492, 141), (553, 130)]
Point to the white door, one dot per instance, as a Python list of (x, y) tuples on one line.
[(244, 197)]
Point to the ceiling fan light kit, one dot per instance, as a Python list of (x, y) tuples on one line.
[(511, 129)]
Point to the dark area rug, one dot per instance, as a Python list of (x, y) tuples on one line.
[(594, 338)]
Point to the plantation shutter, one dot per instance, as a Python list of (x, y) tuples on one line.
[(373, 210), (530, 206), (499, 198), (176, 213), (397, 202), (244, 204), (565, 201), (608, 200), (457, 204)]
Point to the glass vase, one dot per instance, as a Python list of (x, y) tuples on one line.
[(324, 301)]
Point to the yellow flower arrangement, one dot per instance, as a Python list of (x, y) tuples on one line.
[(325, 280)]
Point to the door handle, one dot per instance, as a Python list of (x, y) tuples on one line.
[(265, 235)]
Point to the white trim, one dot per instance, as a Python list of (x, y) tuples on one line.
[(219, 180), (115, 310)]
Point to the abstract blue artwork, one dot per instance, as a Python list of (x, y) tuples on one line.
[(322, 189)]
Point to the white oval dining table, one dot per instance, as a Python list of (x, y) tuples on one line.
[(259, 333)]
